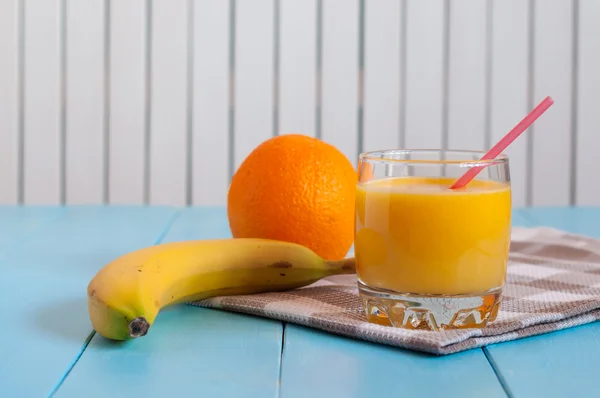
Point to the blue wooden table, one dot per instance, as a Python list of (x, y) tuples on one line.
[(48, 348)]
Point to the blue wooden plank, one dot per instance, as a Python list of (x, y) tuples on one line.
[(519, 219), (191, 350), (318, 364), (557, 364), (200, 223), (43, 283), (19, 222), (580, 220)]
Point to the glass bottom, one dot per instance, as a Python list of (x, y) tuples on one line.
[(429, 312)]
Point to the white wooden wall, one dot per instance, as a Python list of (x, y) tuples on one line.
[(158, 101)]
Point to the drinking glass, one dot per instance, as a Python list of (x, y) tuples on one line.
[(427, 256)]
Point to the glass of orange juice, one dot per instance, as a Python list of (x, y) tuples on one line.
[(427, 256)]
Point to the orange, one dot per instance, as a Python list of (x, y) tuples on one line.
[(298, 189)]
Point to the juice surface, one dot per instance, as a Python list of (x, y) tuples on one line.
[(415, 235)]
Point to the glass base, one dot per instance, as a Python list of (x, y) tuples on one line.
[(429, 312)]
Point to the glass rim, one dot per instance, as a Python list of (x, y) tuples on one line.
[(384, 156)]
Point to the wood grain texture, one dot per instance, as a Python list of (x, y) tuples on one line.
[(211, 100), (128, 91), (43, 97), (45, 278), (317, 364), (85, 90), (168, 111), (298, 67), (340, 76), (509, 85), (254, 66), (189, 349), (588, 117), (9, 101), (562, 363), (383, 71)]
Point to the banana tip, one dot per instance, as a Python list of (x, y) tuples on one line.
[(138, 327)]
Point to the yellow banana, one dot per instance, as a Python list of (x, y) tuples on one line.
[(126, 295)]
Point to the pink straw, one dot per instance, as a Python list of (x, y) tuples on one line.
[(505, 141)]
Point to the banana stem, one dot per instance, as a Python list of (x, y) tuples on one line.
[(344, 266), (138, 327)]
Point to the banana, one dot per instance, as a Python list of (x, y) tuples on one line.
[(126, 295)]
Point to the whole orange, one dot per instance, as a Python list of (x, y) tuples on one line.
[(298, 189)]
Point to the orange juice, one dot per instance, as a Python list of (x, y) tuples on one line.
[(416, 236)]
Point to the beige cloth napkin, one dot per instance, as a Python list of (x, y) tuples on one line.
[(553, 283)]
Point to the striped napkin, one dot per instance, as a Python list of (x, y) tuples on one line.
[(553, 283)]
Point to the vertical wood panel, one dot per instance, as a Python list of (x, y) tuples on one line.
[(424, 73), (315, 363), (552, 76), (127, 101), (297, 83), (85, 101), (340, 75), (211, 102), (383, 69), (467, 75), (509, 78), (9, 101), (588, 116), (169, 102), (42, 184), (422, 123), (254, 41)]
